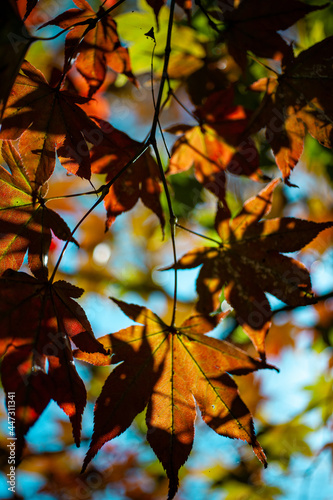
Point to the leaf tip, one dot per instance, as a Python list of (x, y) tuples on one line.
[(259, 452), (173, 487)]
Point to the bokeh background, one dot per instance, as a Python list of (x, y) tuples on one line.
[(292, 409)]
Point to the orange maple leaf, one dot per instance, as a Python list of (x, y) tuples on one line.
[(169, 369), (96, 47), (298, 101), (248, 263), (216, 145)]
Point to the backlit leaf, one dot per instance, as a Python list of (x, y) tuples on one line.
[(215, 145), (168, 369), (46, 120), (96, 48), (254, 24), (297, 102), (25, 222), (140, 180), (38, 320)]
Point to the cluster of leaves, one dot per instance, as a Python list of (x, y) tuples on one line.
[(166, 368)]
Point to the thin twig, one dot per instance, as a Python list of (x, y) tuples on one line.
[(104, 191), (152, 141), (171, 92)]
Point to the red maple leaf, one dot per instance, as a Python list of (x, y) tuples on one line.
[(48, 119), (37, 357), (25, 221), (298, 101), (139, 181)]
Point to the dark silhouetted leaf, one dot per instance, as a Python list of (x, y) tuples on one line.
[(248, 263)]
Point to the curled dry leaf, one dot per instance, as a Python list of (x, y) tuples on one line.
[(168, 369)]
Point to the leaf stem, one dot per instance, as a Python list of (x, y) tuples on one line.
[(96, 191), (198, 234), (251, 56), (171, 92), (173, 224), (205, 12)]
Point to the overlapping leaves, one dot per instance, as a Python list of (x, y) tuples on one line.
[(254, 24), (95, 42), (168, 369), (298, 101), (46, 120), (25, 222), (248, 263), (38, 320), (216, 144)]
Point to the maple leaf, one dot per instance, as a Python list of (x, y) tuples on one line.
[(298, 101), (97, 47), (47, 119), (167, 369), (25, 222), (215, 145), (37, 357), (248, 263), (139, 181), (253, 25)]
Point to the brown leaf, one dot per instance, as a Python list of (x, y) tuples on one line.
[(47, 119), (248, 263), (298, 101)]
